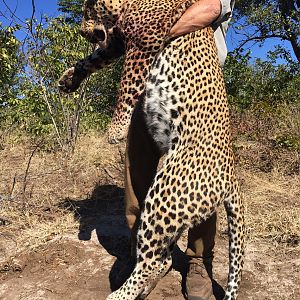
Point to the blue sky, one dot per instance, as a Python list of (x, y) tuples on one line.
[(24, 8), (49, 7)]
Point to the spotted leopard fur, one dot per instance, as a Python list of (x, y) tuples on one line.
[(185, 105), (110, 24)]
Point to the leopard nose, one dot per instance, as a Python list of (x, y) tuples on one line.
[(100, 34)]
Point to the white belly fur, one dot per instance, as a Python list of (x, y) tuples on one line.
[(158, 103)]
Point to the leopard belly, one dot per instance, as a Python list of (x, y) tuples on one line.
[(160, 105)]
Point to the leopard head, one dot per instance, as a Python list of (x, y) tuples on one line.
[(99, 19)]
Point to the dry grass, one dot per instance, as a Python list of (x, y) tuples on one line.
[(270, 172), (273, 210), (34, 217)]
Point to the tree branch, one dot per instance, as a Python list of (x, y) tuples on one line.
[(260, 39), (13, 16), (32, 16)]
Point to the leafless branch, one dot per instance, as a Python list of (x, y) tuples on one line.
[(13, 12), (32, 17), (107, 171), (13, 186), (258, 39), (28, 166), (51, 115)]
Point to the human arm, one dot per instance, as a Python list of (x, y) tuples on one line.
[(201, 14)]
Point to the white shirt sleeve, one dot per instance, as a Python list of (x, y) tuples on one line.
[(220, 27), (226, 11)]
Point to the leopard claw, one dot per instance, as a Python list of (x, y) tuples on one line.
[(66, 83)]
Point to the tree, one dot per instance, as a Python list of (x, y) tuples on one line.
[(73, 9), (29, 92), (10, 63), (258, 20), (263, 81), (50, 46)]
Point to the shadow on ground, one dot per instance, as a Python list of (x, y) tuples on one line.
[(104, 212)]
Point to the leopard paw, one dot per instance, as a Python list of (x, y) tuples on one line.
[(69, 83), (117, 133)]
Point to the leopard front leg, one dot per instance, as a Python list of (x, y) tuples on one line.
[(118, 128), (73, 77), (135, 73)]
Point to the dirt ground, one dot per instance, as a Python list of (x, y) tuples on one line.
[(72, 267), (74, 244)]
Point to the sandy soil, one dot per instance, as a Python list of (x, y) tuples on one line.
[(83, 264)]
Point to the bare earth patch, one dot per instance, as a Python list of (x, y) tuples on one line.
[(65, 237)]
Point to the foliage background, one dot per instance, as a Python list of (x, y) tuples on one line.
[(263, 93)]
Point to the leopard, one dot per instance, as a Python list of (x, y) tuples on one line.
[(101, 22), (183, 98)]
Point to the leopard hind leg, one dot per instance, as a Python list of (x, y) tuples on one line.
[(159, 229)]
